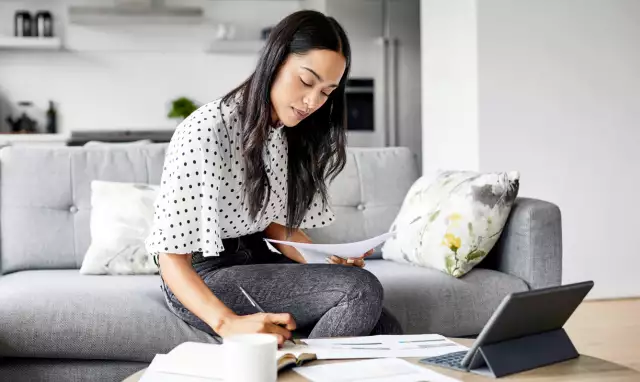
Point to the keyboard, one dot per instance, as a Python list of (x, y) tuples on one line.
[(451, 360)]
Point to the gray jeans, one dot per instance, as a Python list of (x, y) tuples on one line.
[(325, 300)]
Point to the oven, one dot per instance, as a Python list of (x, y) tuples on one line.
[(360, 104)]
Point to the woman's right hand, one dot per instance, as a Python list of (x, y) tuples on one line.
[(278, 324)]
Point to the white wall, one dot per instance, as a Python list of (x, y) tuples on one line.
[(449, 85), (559, 100)]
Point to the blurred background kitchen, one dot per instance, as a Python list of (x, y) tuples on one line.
[(129, 70)]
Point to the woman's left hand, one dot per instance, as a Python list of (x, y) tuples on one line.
[(353, 261)]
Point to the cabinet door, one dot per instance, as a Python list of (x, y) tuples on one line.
[(362, 19)]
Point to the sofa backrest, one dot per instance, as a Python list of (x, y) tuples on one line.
[(45, 197)]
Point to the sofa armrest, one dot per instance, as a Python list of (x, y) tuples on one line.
[(530, 246)]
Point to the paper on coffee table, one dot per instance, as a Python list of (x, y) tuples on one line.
[(376, 370), (383, 346)]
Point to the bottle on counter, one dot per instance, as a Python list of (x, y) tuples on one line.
[(52, 116)]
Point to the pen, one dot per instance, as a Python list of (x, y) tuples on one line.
[(255, 304)]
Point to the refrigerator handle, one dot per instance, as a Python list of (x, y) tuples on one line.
[(382, 89), (393, 92)]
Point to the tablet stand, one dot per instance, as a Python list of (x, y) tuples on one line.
[(525, 353)]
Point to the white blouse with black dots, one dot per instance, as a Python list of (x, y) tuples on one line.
[(200, 200)]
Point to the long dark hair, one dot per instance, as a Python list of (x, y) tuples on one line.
[(317, 145)]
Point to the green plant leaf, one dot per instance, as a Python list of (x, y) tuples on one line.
[(477, 254), (449, 264), (182, 108)]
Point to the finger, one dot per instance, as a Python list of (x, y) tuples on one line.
[(284, 319), (367, 254), (337, 260), (359, 263), (279, 331)]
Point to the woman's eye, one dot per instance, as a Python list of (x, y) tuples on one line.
[(305, 84), (326, 94)]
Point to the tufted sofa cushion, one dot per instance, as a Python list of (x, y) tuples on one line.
[(368, 194), (45, 197)]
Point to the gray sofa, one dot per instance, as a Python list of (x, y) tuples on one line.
[(58, 325)]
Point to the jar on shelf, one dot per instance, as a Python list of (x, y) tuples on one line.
[(22, 24), (43, 24)]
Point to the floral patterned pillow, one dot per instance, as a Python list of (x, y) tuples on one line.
[(452, 223)]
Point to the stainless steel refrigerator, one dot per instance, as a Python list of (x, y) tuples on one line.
[(385, 40)]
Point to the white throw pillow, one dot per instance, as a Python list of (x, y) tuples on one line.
[(451, 223), (121, 219)]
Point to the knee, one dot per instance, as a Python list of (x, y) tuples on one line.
[(365, 286)]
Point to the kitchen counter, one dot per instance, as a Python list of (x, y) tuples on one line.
[(7, 139)]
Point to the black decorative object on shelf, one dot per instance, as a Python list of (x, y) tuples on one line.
[(52, 122), (22, 24), (264, 32), (43, 24), (27, 25), (23, 124)]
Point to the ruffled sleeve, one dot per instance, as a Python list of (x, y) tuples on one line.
[(186, 211)]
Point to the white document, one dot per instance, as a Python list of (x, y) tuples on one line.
[(377, 370), (165, 368), (384, 346), (346, 250)]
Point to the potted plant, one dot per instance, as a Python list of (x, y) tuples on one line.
[(181, 108)]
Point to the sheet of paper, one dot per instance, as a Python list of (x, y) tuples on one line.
[(377, 370), (168, 368), (346, 250), (156, 376), (418, 345)]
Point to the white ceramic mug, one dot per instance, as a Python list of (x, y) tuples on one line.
[(250, 358)]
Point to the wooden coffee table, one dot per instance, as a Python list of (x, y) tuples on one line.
[(583, 368)]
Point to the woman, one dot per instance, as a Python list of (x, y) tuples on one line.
[(254, 165)]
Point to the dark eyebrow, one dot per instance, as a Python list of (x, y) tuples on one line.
[(318, 77)]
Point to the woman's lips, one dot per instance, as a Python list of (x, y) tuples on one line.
[(299, 114)]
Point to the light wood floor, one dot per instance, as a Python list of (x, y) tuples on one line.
[(608, 329)]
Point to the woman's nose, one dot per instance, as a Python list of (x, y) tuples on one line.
[(311, 102)]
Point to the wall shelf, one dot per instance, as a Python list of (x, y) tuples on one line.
[(30, 43)]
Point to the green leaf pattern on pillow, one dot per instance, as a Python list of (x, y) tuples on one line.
[(452, 223)]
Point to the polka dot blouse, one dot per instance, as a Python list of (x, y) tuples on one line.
[(200, 200)]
